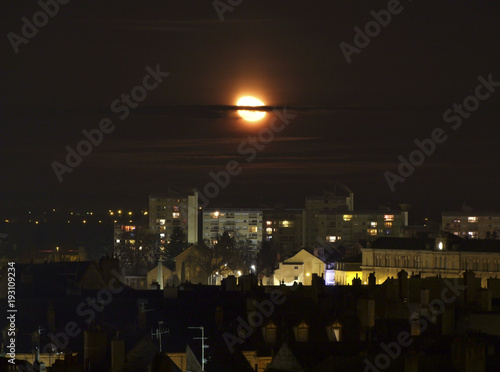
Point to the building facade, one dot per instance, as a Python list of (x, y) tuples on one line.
[(284, 228), (445, 256), (472, 225), (244, 225), (349, 227), (171, 210), (299, 268)]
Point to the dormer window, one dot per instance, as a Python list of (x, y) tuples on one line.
[(269, 333), (334, 332), (301, 332)]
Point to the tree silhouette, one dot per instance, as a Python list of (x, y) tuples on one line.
[(177, 243)]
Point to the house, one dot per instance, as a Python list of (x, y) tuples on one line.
[(299, 268), (194, 264), (167, 274)]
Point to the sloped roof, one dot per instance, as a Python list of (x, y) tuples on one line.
[(403, 243)]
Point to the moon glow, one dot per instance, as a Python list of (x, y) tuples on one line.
[(250, 115)]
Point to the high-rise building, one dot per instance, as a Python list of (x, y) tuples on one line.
[(329, 218), (352, 226), (171, 210), (244, 225), (472, 225), (317, 207), (283, 228)]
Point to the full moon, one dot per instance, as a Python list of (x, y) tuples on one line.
[(250, 115)]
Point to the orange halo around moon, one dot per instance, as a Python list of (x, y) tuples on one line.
[(250, 115)]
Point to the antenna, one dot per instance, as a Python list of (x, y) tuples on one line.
[(158, 332), (203, 346)]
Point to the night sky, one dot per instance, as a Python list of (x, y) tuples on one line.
[(352, 120)]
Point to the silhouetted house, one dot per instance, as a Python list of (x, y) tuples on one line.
[(192, 264)]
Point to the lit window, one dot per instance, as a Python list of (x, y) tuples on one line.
[(456, 221), (335, 332), (176, 214), (372, 232), (440, 245), (176, 208), (269, 230), (472, 219), (388, 217), (118, 240), (373, 224), (286, 224), (162, 222), (268, 223), (388, 225), (214, 214), (347, 217), (252, 229), (162, 235), (331, 239)]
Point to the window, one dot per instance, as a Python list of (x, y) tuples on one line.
[(456, 221), (335, 332), (331, 239), (286, 223), (214, 214), (269, 230), (295, 278), (270, 333), (302, 332), (295, 267), (162, 222), (347, 217), (373, 224), (176, 214), (269, 223), (252, 229), (388, 225), (176, 208), (472, 219), (372, 232), (388, 217), (472, 234)]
